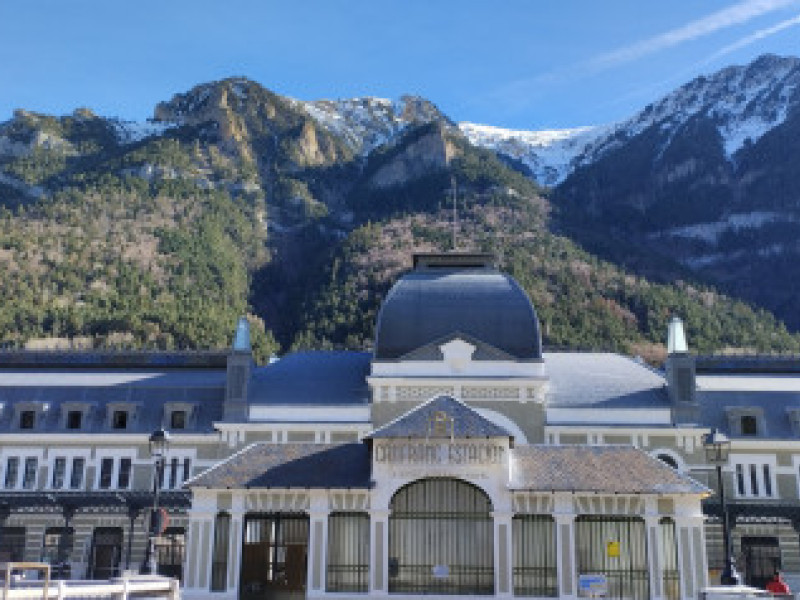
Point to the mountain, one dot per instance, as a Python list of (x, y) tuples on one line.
[(234, 199), (701, 184)]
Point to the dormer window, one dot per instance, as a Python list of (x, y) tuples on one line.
[(27, 419), (121, 415), (178, 415), (177, 419), (748, 425), (74, 419), (746, 421), (119, 419)]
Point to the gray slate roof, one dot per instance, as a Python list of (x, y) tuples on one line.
[(312, 378), (774, 406), (429, 304), (466, 422), (147, 390), (603, 380), (265, 465), (602, 469)]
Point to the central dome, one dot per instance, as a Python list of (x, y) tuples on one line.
[(451, 294)]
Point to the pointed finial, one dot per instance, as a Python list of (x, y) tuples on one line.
[(676, 337), (241, 339)]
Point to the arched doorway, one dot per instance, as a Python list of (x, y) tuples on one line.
[(441, 539)]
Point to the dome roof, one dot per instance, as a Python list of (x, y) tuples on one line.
[(454, 294)]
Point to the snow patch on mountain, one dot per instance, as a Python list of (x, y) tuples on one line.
[(710, 232), (364, 123), (130, 132), (549, 154)]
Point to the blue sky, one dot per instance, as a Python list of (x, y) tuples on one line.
[(524, 64)]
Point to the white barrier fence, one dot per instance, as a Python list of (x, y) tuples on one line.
[(123, 588)]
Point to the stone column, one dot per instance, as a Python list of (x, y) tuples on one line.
[(379, 550), (655, 560), (691, 546), (564, 515), (235, 544), (503, 583), (317, 542), (199, 541)]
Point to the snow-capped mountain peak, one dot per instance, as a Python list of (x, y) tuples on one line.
[(742, 102)]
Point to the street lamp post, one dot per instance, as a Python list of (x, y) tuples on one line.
[(718, 447), (159, 444)]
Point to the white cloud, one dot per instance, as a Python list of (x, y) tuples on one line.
[(722, 19), (753, 37)]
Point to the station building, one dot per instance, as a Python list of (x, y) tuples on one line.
[(455, 458)]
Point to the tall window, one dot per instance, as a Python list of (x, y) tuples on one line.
[(219, 556), (625, 568), (348, 552), (187, 468), (535, 572), (669, 556), (124, 477), (740, 480), (12, 472), (59, 472), (57, 547), (441, 539), (76, 475), (106, 472), (29, 475)]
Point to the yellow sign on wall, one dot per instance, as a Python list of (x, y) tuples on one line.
[(612, 549)]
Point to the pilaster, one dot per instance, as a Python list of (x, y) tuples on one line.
[(503, 582), (564, 515)]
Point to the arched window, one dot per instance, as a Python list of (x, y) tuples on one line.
[(441, 539), (668, 460)]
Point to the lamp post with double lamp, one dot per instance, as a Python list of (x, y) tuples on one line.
[(159, 444), (718, 448)]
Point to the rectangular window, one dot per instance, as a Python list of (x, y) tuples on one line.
[(27, 419), (74, 419), (59, 472), (767, 482), (187, 468), (76, 476), (754, 480), (124, 479), (173, 473), (178, 419), (740, 480), (12, 472), (106, 470), (29, 476), (119, 420)]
